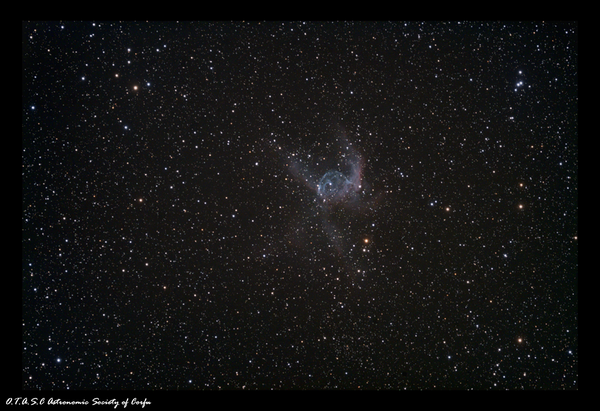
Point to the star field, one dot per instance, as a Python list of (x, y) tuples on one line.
[(173, 238)]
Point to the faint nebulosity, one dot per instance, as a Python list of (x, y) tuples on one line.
[(299, 205)]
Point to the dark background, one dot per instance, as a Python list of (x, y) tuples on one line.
[(167, 245)]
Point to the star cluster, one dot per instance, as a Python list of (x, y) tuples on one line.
[(170, 239)]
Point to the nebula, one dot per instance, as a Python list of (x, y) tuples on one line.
[(339, 201), (334, 187)]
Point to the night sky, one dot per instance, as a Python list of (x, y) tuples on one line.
[(299, 205)]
